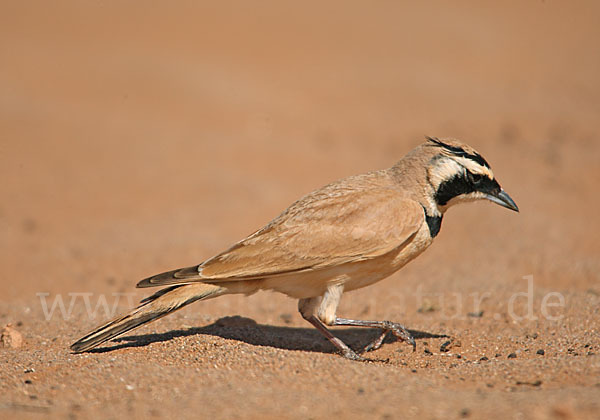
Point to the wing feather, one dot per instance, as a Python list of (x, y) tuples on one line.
[(322, 230)]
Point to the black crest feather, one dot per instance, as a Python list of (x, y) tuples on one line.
[(459, 151)]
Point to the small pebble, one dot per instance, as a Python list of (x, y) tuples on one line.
[(541, 352), (447, 345), (10, 337), (484, 359), (535, 383), (512, 356), (426, 306)]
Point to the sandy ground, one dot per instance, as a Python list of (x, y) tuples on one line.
[(137, 137)]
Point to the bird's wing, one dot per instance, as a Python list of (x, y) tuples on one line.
[(317, 232)]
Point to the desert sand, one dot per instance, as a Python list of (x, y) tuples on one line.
[(137, 137)]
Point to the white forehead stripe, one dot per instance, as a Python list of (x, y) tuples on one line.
[(474, 167)]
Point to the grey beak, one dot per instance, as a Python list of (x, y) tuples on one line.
[(503, 199)]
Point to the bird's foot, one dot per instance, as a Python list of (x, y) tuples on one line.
[(351, 355), (400, 332)]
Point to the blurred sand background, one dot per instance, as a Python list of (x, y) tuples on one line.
[(137, 137)]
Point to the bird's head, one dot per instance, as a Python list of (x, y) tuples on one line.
[(458, 174)]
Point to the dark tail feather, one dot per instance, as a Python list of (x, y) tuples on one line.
[(179, 276), (153, 307), (112, 330)]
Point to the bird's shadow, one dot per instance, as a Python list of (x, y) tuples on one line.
[(248, 331)]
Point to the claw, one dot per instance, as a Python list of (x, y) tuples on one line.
[(401, 332), (351, 355)]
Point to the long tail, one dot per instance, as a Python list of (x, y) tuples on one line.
[(153, 307)]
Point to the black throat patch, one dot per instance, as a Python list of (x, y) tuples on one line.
[(460, 184), (452, 188), (434, 223)]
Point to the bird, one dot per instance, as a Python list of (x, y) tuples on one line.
[(344, 236)]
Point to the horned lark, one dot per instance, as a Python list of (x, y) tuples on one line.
[(344, 236)]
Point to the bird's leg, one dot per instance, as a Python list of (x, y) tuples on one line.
[(346, 351), (320, 311), (387, 326), (375, 344)]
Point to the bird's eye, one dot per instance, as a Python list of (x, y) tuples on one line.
[(476, 178)]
